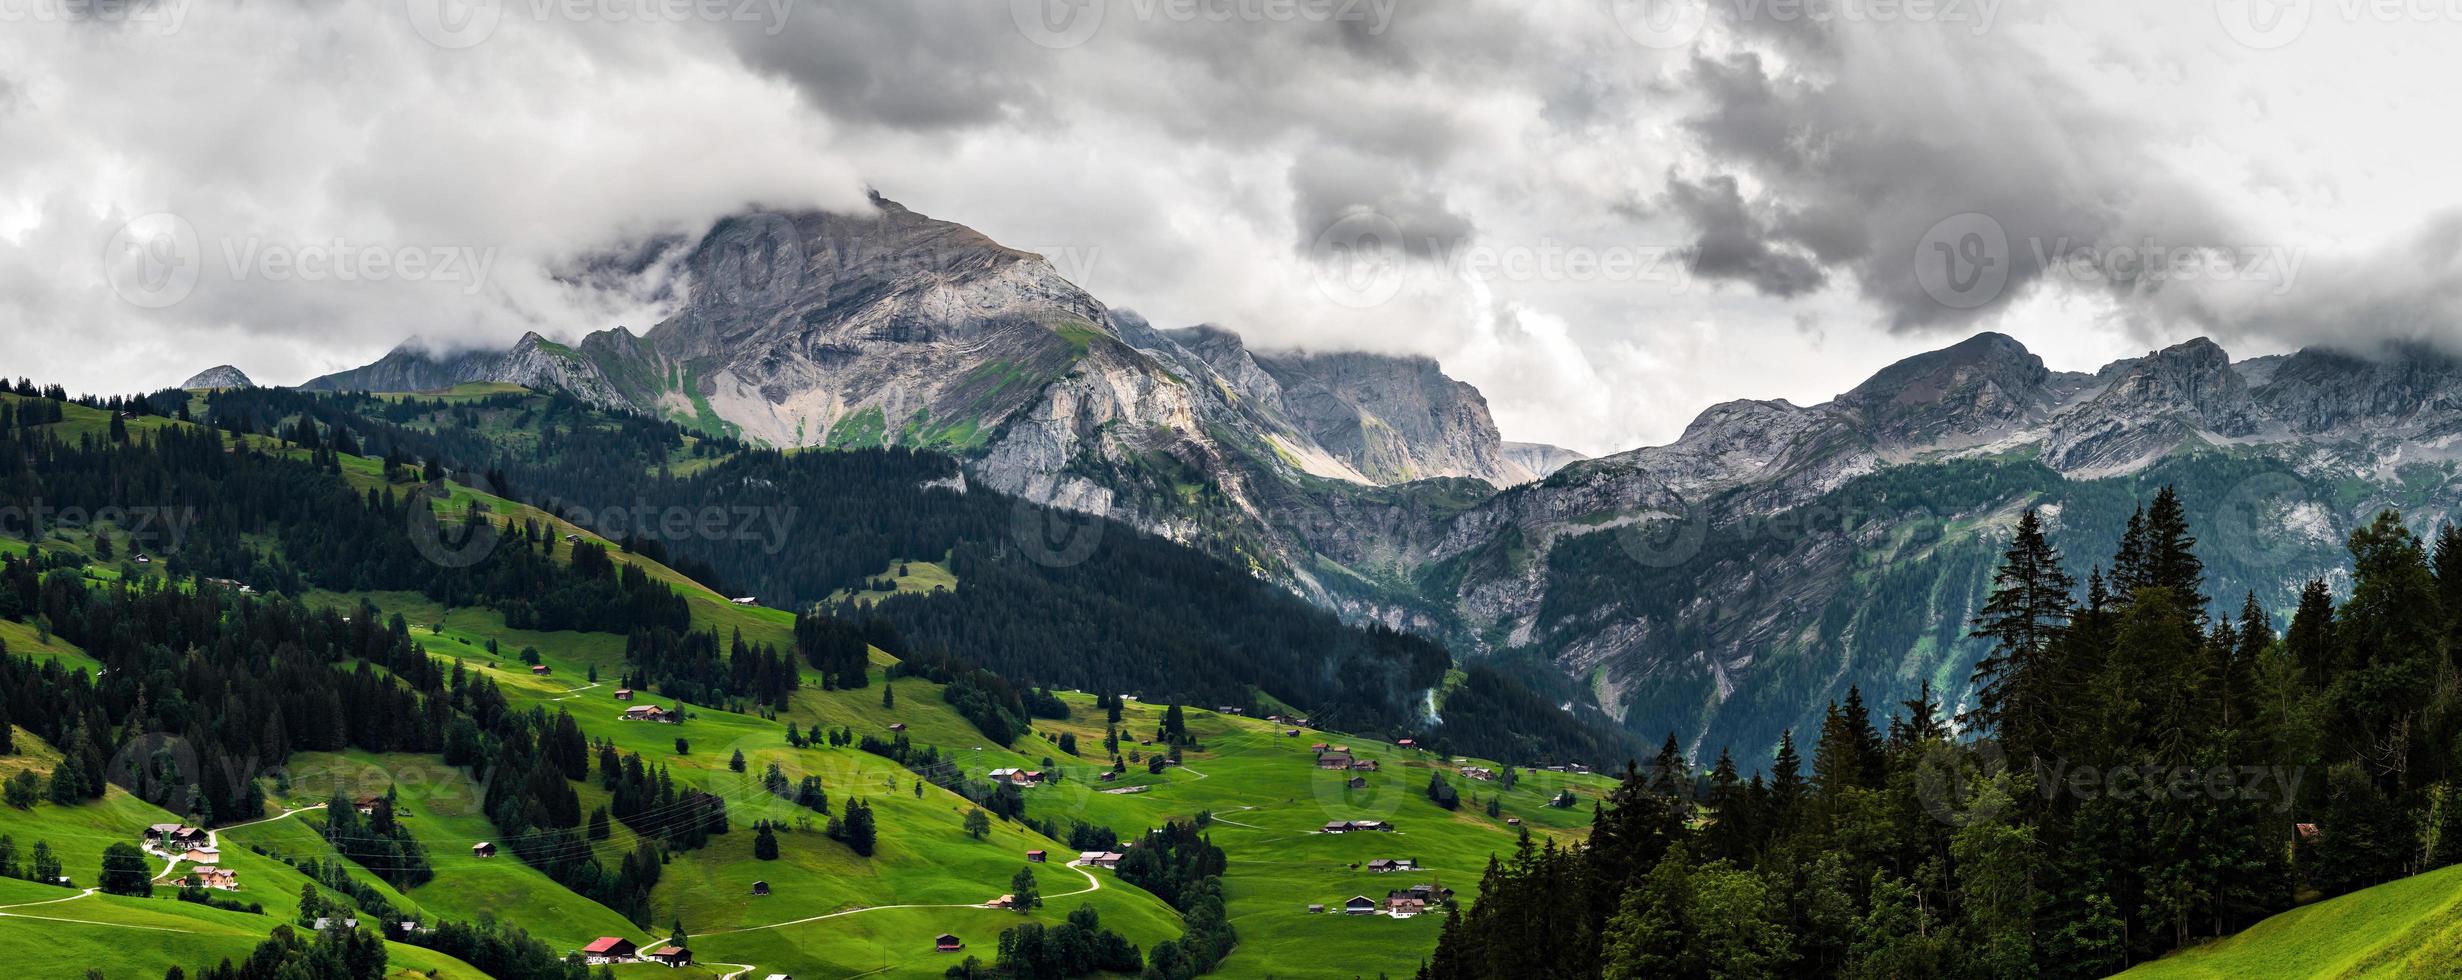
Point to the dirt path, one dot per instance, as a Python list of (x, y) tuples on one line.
[(1093, 884), (213, 838)]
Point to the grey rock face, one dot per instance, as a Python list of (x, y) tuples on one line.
[(224, 376), (1393, 419), (1962, 394), (533, 362)]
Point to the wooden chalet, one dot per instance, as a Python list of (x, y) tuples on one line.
[(669, 956), (482, 849), (948, 944), (609, 949)]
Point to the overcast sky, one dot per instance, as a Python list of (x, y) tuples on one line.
[(1607, 214)]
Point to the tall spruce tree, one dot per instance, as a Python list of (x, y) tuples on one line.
[(2028, 610)]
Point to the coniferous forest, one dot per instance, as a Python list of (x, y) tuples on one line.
[(2146, 766), (1044, 598)]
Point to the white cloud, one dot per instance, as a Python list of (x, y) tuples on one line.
[(1177, 167)]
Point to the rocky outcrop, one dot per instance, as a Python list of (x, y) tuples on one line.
[(224, 376), (532, 362), (1393, 419), (2151, 405), (1958, 396)]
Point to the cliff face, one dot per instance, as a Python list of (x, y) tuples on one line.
[(1393, 419), (893, 328), (1730, 583)]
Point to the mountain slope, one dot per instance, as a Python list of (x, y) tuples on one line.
[(2406, 928), (895, 329), (1728, 584)]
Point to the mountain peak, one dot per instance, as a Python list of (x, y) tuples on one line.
[(1957, 393), (220, 376)]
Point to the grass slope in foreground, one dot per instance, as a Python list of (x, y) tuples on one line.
[(2406, 928)]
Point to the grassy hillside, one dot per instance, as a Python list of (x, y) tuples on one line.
[(2406, 928), (829, 911)]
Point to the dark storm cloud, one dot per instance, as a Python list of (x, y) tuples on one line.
[(1867, 142), (1738, 245), (925, 65)]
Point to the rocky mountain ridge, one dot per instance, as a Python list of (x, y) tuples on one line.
[(220, 376), (814, 329), (1775, 528), (1724, 584)]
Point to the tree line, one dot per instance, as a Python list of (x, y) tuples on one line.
[(2138, 773)]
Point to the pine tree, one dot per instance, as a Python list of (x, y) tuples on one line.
[(1786, 782), (2171, 555), (1022, 887), (2029, 608), (2310, 642)]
